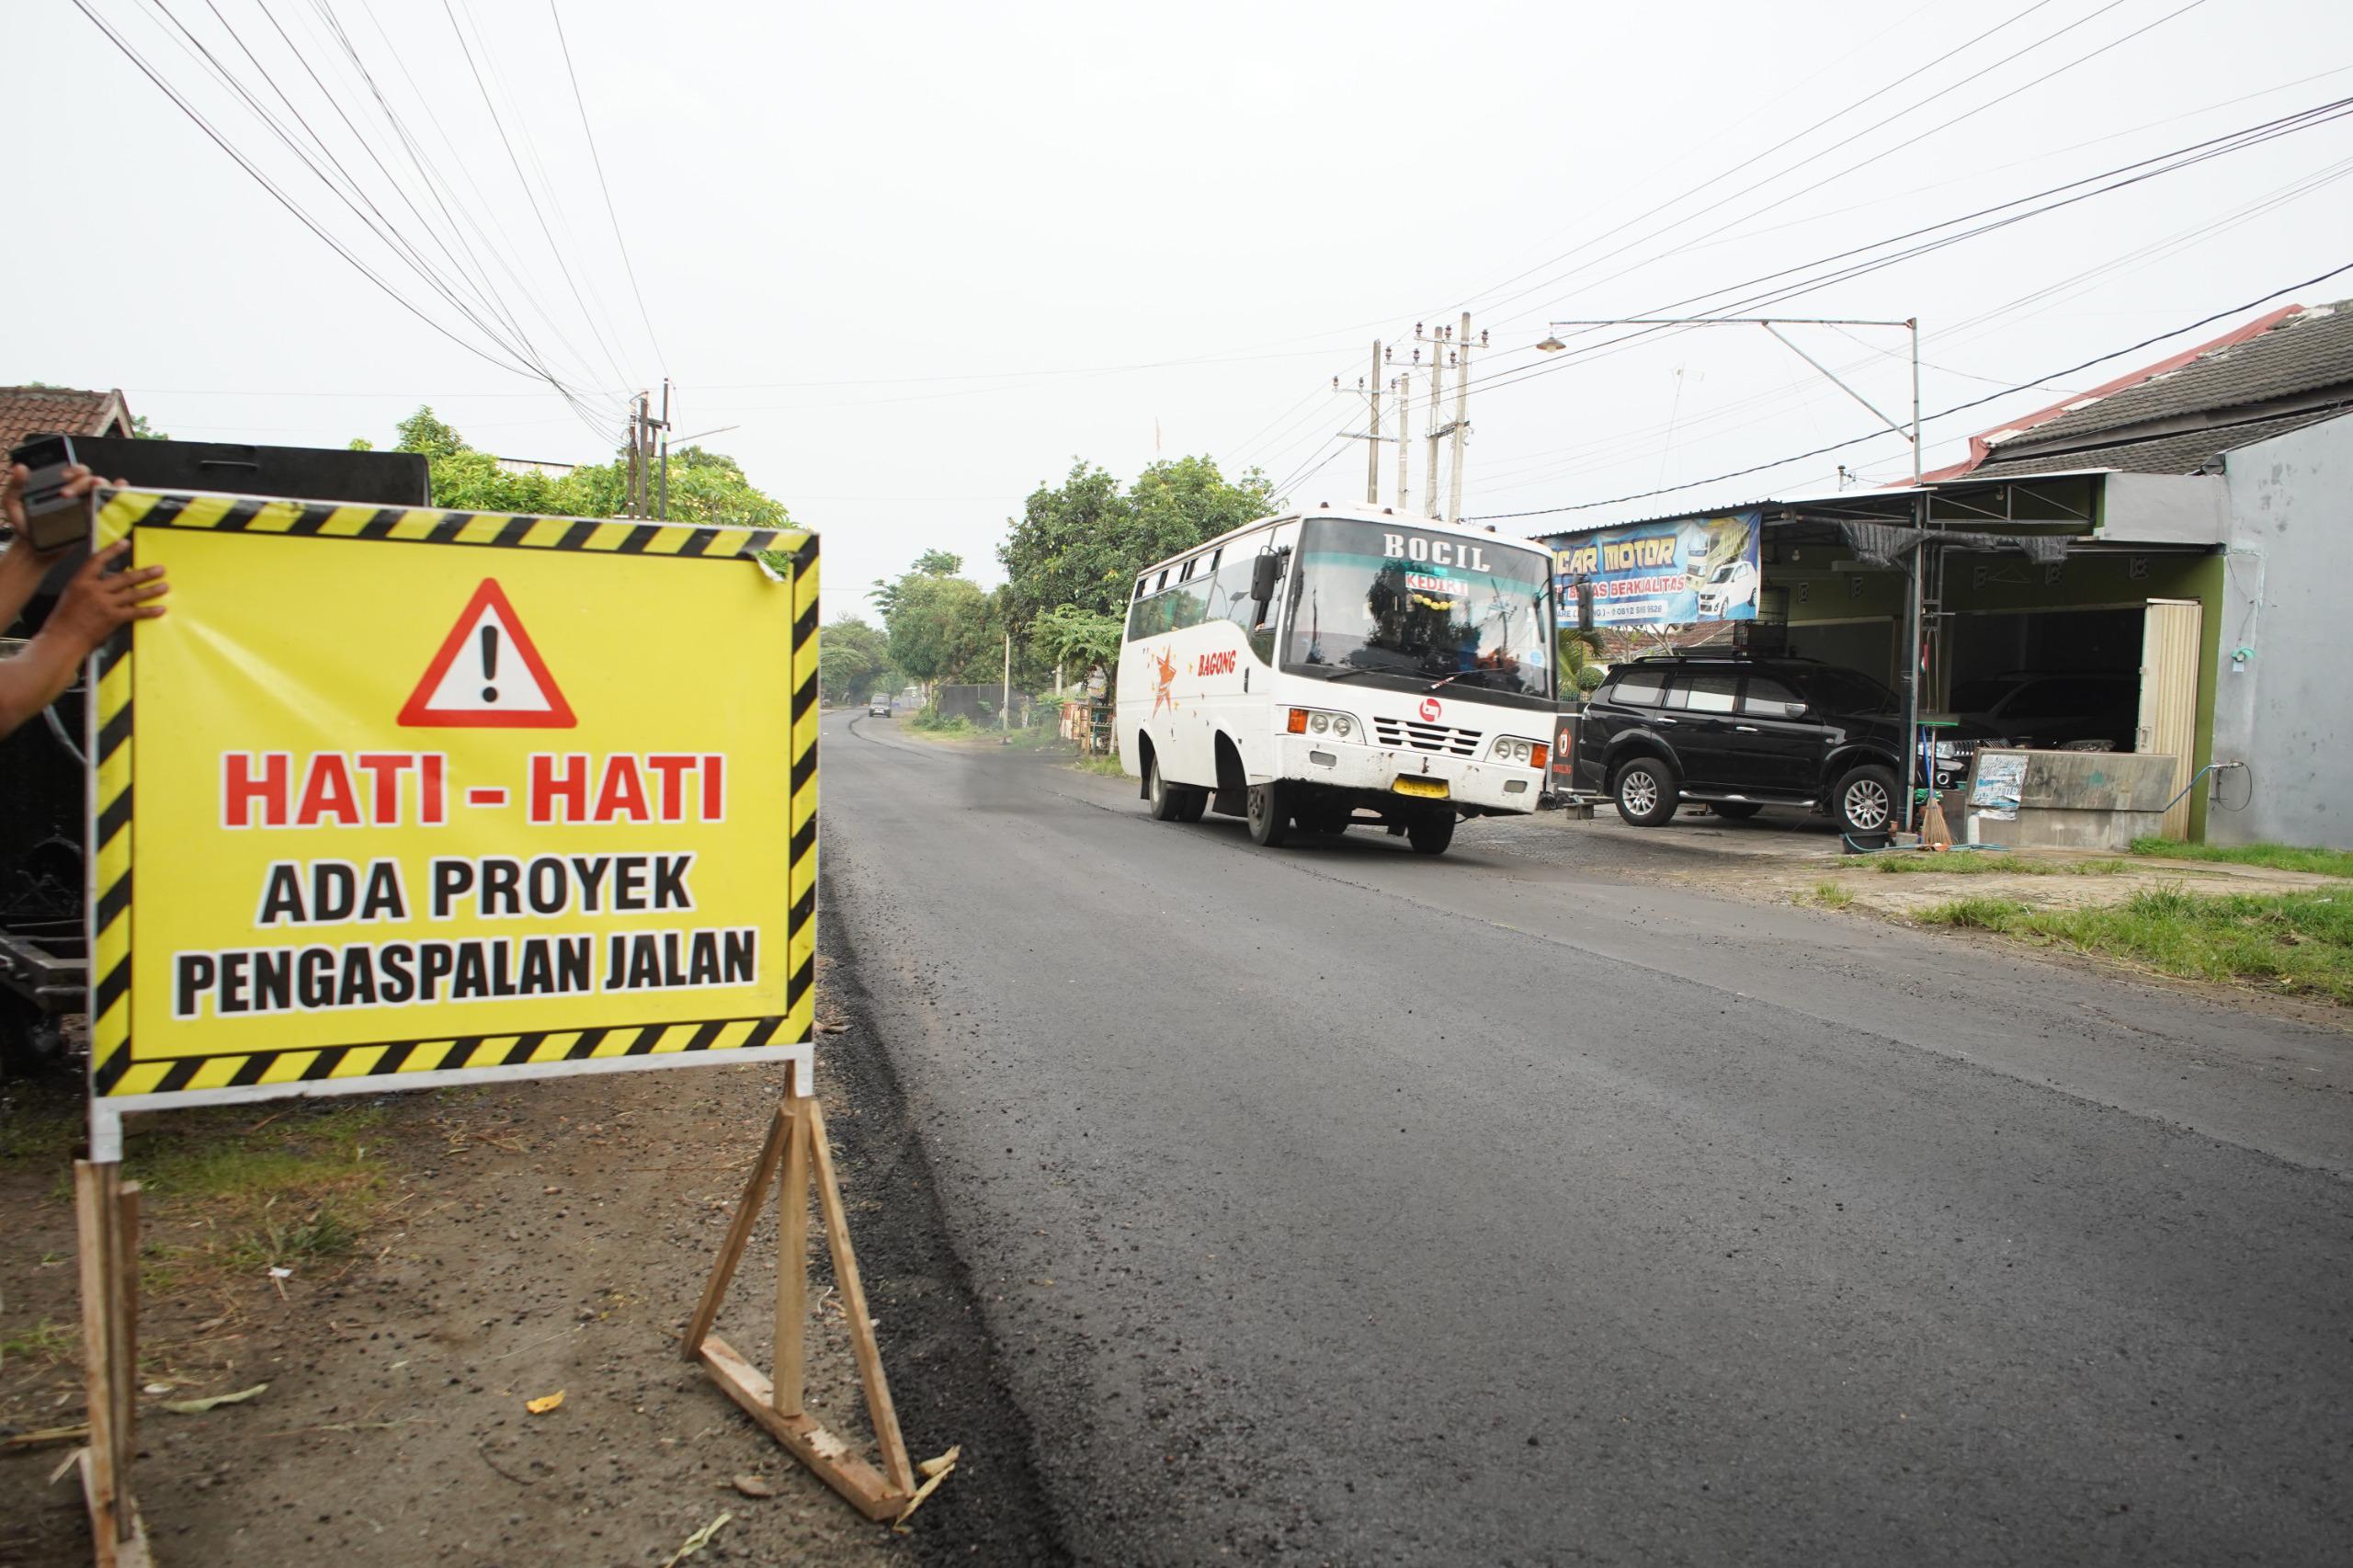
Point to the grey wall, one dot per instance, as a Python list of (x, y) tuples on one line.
[(2288, 595), (2166, 508)]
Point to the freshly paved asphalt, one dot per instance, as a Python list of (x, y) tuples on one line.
[(1504, 1207)]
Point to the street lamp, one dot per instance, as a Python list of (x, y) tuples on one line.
[(1551, 344)]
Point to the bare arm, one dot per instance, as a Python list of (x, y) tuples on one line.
[(94, 604)]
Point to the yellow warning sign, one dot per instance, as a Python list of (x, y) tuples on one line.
[(428, 796)]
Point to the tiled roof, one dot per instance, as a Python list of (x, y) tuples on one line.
[(2308, 351), (2182, 452), (41, 411)]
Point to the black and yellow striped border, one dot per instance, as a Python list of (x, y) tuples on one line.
[(118, 1076)]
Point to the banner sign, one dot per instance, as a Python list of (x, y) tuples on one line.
[(1681, 572), (426, 797)]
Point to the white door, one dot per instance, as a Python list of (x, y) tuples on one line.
[(2168, 722)]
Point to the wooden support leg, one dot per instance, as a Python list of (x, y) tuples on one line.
[(739, 1234), (96, 1212), (126, 1348), (878, 1408), (796, 1142), (105, 1212), (793, 1263)]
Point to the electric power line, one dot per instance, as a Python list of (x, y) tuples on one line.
[(1940, 414)]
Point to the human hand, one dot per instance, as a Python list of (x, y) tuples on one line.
[(94, 603), (79, 482)]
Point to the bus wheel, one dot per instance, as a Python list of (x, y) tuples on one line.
[(1432, 834), (1267, 811), (1168, 799)]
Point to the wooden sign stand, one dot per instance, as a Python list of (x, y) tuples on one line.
[(105, 1211), (796, 1142)]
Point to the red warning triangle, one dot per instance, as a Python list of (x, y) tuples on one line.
[(487, 675)]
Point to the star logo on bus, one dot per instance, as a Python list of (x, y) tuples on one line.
[(1163, 676)]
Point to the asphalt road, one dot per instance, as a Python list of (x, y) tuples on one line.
[(1506, 1208)]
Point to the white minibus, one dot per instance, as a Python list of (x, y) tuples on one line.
[(1340, 666)]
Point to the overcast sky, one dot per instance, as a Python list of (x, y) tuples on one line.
[(922, 255)]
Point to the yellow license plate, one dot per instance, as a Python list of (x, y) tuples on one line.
[(1433, 787)]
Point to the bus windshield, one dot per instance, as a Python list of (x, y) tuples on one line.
[(1421, 605)]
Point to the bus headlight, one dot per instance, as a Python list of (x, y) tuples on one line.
[(1518, 753), (1316, 721)]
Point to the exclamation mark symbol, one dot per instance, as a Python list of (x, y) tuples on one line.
[(489, 661)]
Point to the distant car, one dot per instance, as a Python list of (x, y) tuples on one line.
[(2037, 710), (1738, 735), (877, 708)]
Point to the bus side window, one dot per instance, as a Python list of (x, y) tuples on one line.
[(1185, 602), (1140, 612), (1234, 602)]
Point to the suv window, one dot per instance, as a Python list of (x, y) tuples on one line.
[(1770, 698), (1639, 688), (1705, 693)]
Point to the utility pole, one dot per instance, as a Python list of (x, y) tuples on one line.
[(1437, 380), (629, 502), (1370, 390), (662, 508), (1462, 419), (1405, 385), (1004, 698)]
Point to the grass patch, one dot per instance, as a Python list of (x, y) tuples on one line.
[(290, 1244), (929, 720), (2275, 857), (1828, 894), (1102, 766), (45, 1343), (1975, 863), (2298, 943), (236, 1194), (1978, 913)]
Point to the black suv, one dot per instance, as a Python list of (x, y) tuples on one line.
[(1740, 734)]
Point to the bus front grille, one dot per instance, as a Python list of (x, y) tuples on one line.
[(1443, 739)]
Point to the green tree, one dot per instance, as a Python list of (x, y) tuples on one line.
[(941, 627), (426, 432), (1580, 655), (1082, 542), (705, 487), (854, 659), (1077, 638), (930, 564), (143, 431)]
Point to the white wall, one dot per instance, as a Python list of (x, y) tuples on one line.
[(2287, 710)]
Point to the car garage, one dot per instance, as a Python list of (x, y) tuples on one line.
[(2067, 611)]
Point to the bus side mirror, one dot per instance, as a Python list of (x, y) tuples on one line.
[(1265, 573)]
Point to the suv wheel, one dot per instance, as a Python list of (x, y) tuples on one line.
[(1644, 791), (1865, 800)]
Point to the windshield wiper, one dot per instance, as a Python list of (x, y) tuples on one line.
[(1457, 676), (1347, 670)]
